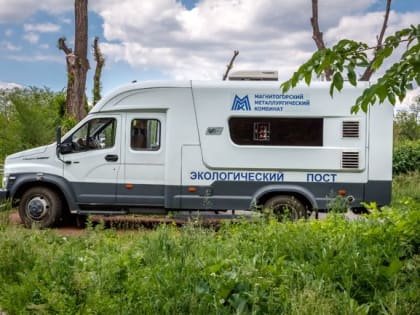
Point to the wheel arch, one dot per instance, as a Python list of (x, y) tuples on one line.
[(55, 183), (302, 194)]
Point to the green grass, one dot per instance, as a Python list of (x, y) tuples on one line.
[(335, 266), (406, 186)]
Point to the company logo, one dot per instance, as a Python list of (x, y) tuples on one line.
[(241, 103)]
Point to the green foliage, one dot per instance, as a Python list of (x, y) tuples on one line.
[(336, 266), (407, 124), (28, 118), (406, 157), (5, 210), (347, 56), (67, 123), (337, 203), (405, 187)]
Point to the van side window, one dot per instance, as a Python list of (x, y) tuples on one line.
[(98, 133), (277, 131), (145, 134)]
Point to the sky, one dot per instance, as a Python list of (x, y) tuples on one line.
[(183, 39)]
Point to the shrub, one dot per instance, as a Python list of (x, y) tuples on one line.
[(406, 157)]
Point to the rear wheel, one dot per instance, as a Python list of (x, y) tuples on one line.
[(286, 206), (40, 207)]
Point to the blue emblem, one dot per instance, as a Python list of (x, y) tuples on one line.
[(241, 103)]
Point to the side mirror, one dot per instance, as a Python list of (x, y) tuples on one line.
[(61, 148), (65, 148)]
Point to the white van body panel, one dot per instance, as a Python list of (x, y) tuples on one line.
[(206, 157), (379, 142), (225, 154), (39, 160)]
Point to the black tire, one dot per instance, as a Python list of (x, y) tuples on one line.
[(285, 206), (81, 221), (40, 207)]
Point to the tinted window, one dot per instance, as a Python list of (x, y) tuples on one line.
[(276, 131), (145, 134)]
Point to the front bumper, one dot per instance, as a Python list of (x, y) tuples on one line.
[(4, 194)]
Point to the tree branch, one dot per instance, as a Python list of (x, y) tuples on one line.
[(317, 35), (63, 46), (100, 61), (369, 70), (230, 65)]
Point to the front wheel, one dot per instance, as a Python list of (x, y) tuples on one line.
[(286, 206), (40, 207)]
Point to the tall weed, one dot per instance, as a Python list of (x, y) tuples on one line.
[(406, 186), (336, 266)]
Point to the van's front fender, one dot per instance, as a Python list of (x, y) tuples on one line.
[(20, 182)]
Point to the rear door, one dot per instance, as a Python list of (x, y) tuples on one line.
[(144, 160)]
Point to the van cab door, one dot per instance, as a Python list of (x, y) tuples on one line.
[(144, 160), (93, 160)]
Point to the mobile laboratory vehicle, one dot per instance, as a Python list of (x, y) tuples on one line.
[(207, 146)]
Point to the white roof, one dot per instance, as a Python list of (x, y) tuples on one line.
[(135, 87)]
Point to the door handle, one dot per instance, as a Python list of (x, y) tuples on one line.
[(111, 158)]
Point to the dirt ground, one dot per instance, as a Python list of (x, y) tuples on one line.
[(62, 230), (133, 223)]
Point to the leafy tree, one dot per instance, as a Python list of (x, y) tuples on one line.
[(406, 126), (343, 59), (28, 118)]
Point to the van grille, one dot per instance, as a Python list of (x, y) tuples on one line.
[(350, 160), (350, 129)]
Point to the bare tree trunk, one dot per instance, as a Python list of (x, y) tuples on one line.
[(369, 71), (77, 63), (317, 34), (100, 61), (230, 65)]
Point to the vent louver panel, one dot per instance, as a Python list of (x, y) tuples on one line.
[(350, 160), (351, 129)]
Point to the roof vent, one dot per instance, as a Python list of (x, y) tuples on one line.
[(350, 160), (254, 76), (351, 129)]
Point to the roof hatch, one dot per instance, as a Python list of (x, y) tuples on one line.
[(246, 75)]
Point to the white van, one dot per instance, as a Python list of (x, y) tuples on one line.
[(208, 146)]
